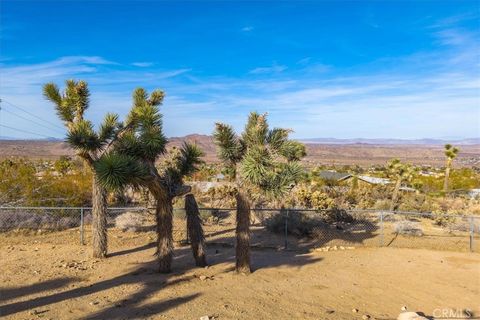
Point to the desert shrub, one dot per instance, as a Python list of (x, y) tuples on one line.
[(442, 219), (299, 224), (302, 224), (382, 204), (408, 228), (131, 221), (14, 220)]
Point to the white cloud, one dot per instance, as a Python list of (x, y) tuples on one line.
[(142, 64), (247, 29), (271, 69)]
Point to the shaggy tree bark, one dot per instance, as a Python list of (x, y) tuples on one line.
[(195, 231), (243, 234), (447, 175), (164, 221), (99, 219), (395, 194)]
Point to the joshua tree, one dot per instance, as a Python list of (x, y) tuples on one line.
[(261, 161), (400, 172), (88, 144), (131, 161), (451, 153), (195, 231)]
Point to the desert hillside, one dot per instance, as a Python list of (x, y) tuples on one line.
[(318, 153)]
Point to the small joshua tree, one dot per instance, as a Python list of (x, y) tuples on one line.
[(400, 172), (89, 145), (132, 161), (261, 161), (450, 153)]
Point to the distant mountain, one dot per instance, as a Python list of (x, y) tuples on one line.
[(425, 141), (329, 151)]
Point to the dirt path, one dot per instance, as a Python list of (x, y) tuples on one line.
[(49, 279)]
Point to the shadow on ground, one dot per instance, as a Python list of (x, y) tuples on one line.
[(150, 282)]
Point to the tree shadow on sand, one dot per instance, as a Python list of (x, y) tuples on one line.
[(220, 250)]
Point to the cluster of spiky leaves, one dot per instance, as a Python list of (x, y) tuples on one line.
[(71, 106), (178, 163), (262, 159), (141, 143), (451, 151), (398, 169)]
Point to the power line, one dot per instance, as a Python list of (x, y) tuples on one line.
[(24, 131), (31, 114), (37, 123)]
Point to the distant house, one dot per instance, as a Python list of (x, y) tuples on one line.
[(334, 175), (474, 193), (374, 180), (219, 177)]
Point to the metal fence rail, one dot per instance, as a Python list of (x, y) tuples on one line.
[(295, 229)]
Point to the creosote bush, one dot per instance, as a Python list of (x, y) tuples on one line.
[(409, 228)]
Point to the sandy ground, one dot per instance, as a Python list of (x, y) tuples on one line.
[(50, 277)]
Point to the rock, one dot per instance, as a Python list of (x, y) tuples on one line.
[(93, 303), (342, 248), (330, 311), (410, 316), (355, 310), (205, 318), (203, 278), (404, 308), (334, 248), (366, 317)]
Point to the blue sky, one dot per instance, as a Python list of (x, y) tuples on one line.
[(323, 68)]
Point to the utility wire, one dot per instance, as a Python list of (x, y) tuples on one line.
[(31, 114), (32, 121), (24, 131)]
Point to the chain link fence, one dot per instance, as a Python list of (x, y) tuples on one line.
[(292, 229)]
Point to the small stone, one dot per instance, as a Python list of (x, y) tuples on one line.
[(366, 317), (202, 277), (36, 249), (355, 310), (206, 267), (205, 318), (330, 311), (342, 248), (93, 303), (334, 248), (404, 308)]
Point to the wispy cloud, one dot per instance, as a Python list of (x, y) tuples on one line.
[(142, 64), (275, 68), (247, 29)]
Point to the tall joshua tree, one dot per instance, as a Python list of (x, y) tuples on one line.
[(132, 161), (89, 145), (262, 161), (400, 172), (450, 153)]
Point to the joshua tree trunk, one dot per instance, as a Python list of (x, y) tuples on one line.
[(164, 217), (99, 220), (243, 234), (395, 194), (447, 175), (195, 231)]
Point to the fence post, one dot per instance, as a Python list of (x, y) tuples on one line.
[(82, 242), (286, 229), (472, 229), (381, 229)]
